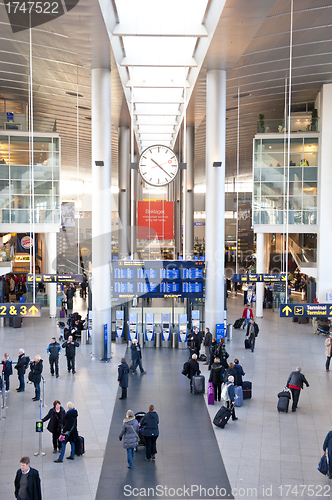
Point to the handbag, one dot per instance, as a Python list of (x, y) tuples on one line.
[(62, 438), (323, 465)]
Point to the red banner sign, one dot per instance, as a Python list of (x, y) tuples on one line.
[(155, 220)]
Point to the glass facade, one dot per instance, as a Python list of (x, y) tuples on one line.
[(277, 186), (29, 193)]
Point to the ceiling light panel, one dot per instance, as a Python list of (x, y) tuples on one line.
[(158, 51), (156, 120), (157, 77), (156, 129), (158, 95), (157, 109)]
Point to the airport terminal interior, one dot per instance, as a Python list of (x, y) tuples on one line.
[(171, 161)]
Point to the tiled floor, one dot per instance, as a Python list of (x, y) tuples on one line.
[(264, 452)]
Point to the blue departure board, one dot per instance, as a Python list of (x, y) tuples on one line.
[(149, 279)]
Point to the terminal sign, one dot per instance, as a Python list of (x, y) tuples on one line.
[(9, 310), (305, 310), (258, 278), (55, 278)]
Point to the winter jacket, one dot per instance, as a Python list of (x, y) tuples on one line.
[(193, 368), (239, 373), (245, 313), (208, 339), (70, 348), (231, 391), (216, 374), (229, 372), (123, 371), (256, 330), (36, 369), (149, 424), (213, 349), (21, 364), (328, 444), (328, 346), (129, 432), (7, 366), (33, 487), (136, 351), (53, 350), (297, 379), (56, 420), (71, 425)]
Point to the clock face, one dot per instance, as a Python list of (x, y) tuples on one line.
[(158, 165)]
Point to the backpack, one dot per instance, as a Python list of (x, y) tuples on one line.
[(27, 361), (185, 370), (224, 393)]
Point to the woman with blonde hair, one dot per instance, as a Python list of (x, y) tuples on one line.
[(129, 431), (69, 432)]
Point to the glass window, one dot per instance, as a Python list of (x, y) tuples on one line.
[(19, 143), (310, 174), (272, 188), (257, 203), (42, 215), (4, 216), (295, 159), (269, 201), (256, 218), (20, 216), (2, 106), (56, 173), (295, 217), (56, 144), (42, 173), (273, 174), (296, 145), (4, 171), (20, 201), (42, 158), (257, 173), (295, 188), (19, 172), (19, 157), (43, 202), (56, 188), (14, 107), (257, 159), (56, 160), (257, 189), (310, 217), (295, 202), (310, 159), (43, 188), (56, 216), (273, 145), (295, 174), (20, 187), (4, 201), (4, 187), (56, 202), (311, 144), (273, 159), (309, 201), (310, 188)]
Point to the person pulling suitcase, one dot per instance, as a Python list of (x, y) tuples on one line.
[(193, 369)]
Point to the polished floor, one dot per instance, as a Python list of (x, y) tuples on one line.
[(265, 454)]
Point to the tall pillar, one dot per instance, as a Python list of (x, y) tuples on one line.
[(124, 186), (324, 240), (215, 197), (189, 222), (177, 215), (101, 208), (51, 254), (259, 269)]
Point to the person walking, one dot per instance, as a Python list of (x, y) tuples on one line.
[(36, 369), (247, 315), (328, 445), (239, 373), (7, 369), (53, 350), (231, 394), (27, 482), (196, 339), (70, 432), (207, 344), (136, 357), (70, 346), (328, 353), (21, 366), (56, 417), (217, 377), (130, 432), (123, 371), (252, 332), (295, 383), (150, 430), (193, 369)]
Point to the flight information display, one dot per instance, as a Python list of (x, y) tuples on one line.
[(150, 279)]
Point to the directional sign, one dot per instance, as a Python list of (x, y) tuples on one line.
[(258, 278), (55, 278), (305, 310), (10, 310)]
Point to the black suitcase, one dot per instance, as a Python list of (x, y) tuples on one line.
[(247, 343), (80, 446), (222, 416), (238, 323), (198, 382), (246, 389), (283, 401)]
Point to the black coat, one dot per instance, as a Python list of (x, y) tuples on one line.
[(193, 368), (71, 425), (298, 379), (256, 330), (150, 423), (34, 490), (56, 420), (213, 349), (228, 373), (208, 339), (123, 371), (239, 373), (21, 364), (197, 340), (70, 348), (136, 351), (36, 369), (216, 374)]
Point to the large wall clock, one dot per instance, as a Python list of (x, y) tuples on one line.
[(158, 165)]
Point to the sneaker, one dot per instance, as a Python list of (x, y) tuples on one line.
[(143, 373), (55, 451), (70, 458), (236, 418)]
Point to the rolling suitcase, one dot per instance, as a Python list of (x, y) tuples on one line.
[(238, 396), (222, 417), (246, 389), (198, 382), (62, 313), (210, 393), (283, 401), (80, 446), (247, 343), (238, 323)]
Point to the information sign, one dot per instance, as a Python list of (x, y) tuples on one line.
[(258, 278), (10, 310), (305, 310), (55, 278)]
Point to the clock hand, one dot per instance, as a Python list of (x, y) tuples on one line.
[(155, 162), (169, 175)]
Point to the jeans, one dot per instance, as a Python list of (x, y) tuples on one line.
[(71, 364), (22, 383), (63, 449), (7, 381), (296, 395), (37, 390), (130, 457), (246, 322), (135, 362)]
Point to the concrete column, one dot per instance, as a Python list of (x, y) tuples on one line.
[(51, 254), (189, 223), (259, 269), (215, 197), (324, 240), (177, 215), (101, 208), (124, 186)]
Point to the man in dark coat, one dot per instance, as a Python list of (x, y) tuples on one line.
[(239, 373), (27, 482), (328, 444), (252, 332), (123, 371), (196, 339), (207, 344), (217, 377), (53, 350), (70, 346), (193, 369), (213, 350), (21, 366), (295, 383), (136, 357)]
